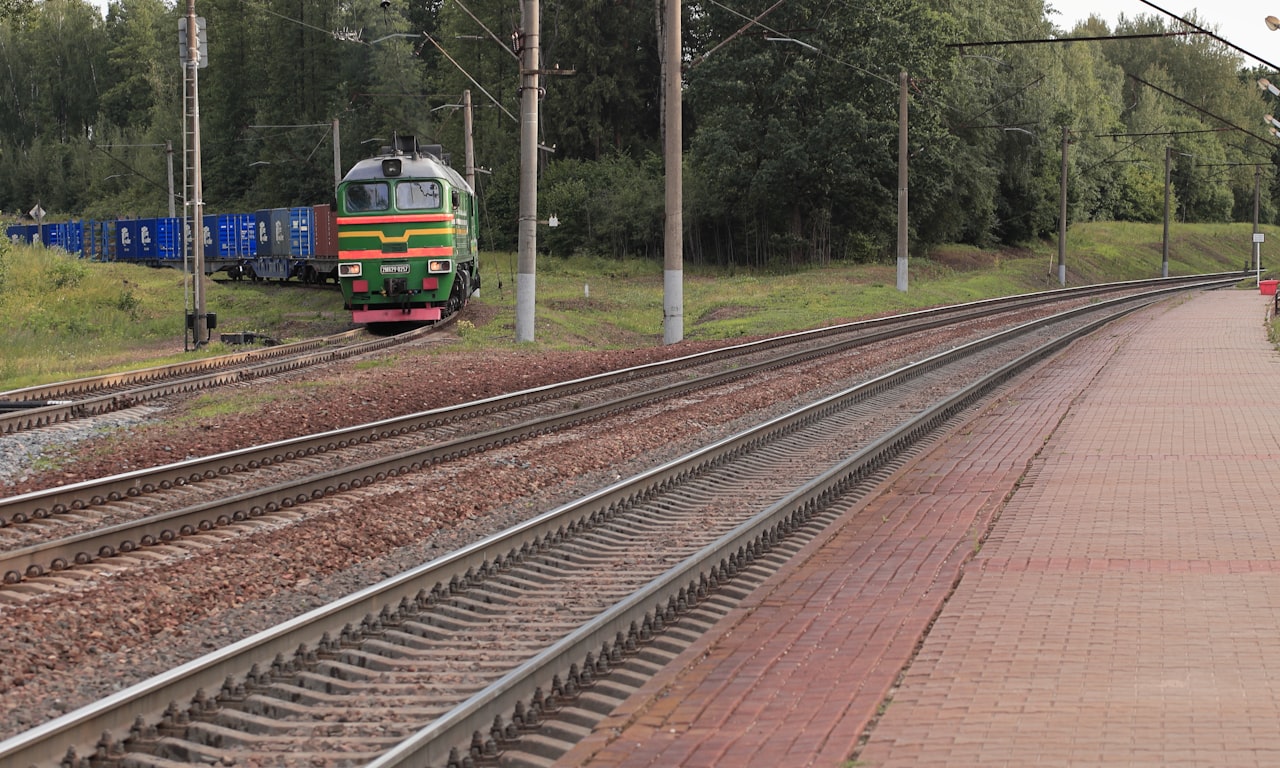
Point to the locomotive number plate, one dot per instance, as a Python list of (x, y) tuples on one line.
[(394, 269)]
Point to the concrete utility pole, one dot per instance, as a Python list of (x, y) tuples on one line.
[(1168, 181), (337, 155), (469, 160), (527, 258), (902, 180), (468, 145), (673, 232), (1062, 211), (168, 156), (1257, 235), (200, 326)]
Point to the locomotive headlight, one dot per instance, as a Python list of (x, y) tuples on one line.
[(351, 269), (439, 266)]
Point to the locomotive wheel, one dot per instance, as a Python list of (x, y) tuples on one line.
[(461, 290)]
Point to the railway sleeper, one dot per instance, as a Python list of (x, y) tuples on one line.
[(604, 696), (266, 754), (318, 684), (429, 636), (544, 750), (144, 760), (264, 735), (325, 702), (403, 654), (269, 714), (519, 579), (479, 602), (472, 644), (378, 663), (557, 567)]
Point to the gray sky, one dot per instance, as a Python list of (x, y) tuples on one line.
[(1239, 22)]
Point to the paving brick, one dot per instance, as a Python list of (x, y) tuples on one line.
[(1124, 608)]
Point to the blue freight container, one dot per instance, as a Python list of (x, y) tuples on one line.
[(105, 240), (280, 231), (168, 236), (75, 238), (212, 236), (19, 233), (127, 239), (246, 242), (95, 240), (146, 239), (262, 232), (302, 232), (228, 240), (54, 235)]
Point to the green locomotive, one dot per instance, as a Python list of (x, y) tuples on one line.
[(407, 228)]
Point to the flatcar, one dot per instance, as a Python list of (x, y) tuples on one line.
[(407, 229)]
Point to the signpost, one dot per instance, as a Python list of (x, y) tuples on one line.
[(1258, 239)]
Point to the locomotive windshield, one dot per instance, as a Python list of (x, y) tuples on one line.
[(368, 196), (417, 195)]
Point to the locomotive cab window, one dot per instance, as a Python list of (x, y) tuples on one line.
[(371, 196), (417, 195)]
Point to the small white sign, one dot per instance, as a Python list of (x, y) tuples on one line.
[(37, 212), (1259, 237)]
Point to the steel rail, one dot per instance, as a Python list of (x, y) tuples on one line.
[(73, 496), (100, 382), (60, 554), (118, 713), (56, 412), (241, 368), (475, 728)]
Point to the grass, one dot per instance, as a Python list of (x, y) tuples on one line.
[(597, 303), (61, 317)]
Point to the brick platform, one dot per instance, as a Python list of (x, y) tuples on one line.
[(1123, 610)]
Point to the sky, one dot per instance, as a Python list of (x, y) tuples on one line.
[(1239, 22)]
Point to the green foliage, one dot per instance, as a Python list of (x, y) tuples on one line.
[(790, 143), (611, 206), (63, 271)]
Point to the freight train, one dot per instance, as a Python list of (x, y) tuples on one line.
[(401, 243), (275, 243), (407, 228)]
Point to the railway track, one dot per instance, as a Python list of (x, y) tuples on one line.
[(48, 404), (562, 600), (50, 531)]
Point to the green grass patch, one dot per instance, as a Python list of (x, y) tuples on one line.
[(588, 302), (381, 362), (62, 317)]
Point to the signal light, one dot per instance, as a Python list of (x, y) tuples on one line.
[(349, 270), (436, 266)]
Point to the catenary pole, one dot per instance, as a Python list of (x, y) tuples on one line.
[(1062, 211), (1168, 186), (200, 324), (526, 260), (902, 180), (673, 233)]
